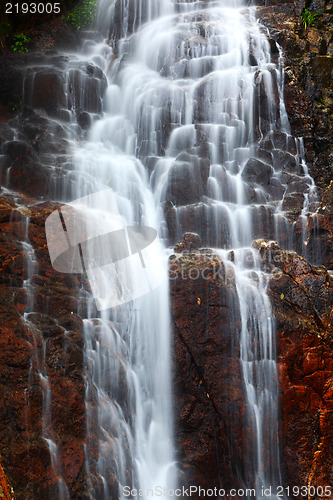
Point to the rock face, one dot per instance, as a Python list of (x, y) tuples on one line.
[(308, 55), (208, 380), (308, 71), (302, 298), (209, 399), (6, 491), (54, 332), (42, 372), (321, 230)]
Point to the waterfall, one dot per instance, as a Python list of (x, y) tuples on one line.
[(127, 348), (258, 359), (196, 95), (176, 107)]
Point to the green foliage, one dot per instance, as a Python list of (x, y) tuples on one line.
[(21, 41), (309, 18), (15, 103), (83, 15)]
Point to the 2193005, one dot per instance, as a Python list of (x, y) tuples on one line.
[(32, 8), (304, 491)]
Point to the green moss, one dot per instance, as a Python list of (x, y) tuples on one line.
[(83, 15)]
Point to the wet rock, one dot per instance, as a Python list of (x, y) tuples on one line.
[(191, 241), (171, 223), (6, 132), (266, 100), (45, 135), (134, 13), (317, 235), (319, 239), (257, 171), (26, 456), (279, 140), (84, 120), (302, 297), (11, 82), (293, 205), (184, 183), (209, 394), (47, 90), (262, 221), (308, 80), (27, 176), (16, 150), (276, 189), (285, 161), (265, 156), (87, 85), (6, 210)]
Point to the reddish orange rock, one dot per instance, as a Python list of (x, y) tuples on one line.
[(6, 491), (25, 453)]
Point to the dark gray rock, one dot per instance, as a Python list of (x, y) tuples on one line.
[(257, 171)]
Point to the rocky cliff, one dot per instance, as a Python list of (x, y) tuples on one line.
[(42, 365), (52, 331), (308, 69), (209, 399)]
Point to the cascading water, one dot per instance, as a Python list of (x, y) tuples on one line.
[(191, 135), (199, 92), (260, 377)]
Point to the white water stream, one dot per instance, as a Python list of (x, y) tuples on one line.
[(187, 73)]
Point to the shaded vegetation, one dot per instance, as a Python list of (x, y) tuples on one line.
[(13, 24), (21, 43), (83, 15)]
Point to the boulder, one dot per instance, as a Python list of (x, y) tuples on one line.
[(47, 90), (184, 183), (257, 171)]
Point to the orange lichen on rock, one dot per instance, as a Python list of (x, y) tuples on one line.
[(6, 491)]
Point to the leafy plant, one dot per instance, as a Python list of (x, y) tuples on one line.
[(20, 43), (83, 15), (15, 103), (309, 18)]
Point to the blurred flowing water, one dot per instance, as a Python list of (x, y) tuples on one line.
[(189, 129), (195, 95)]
